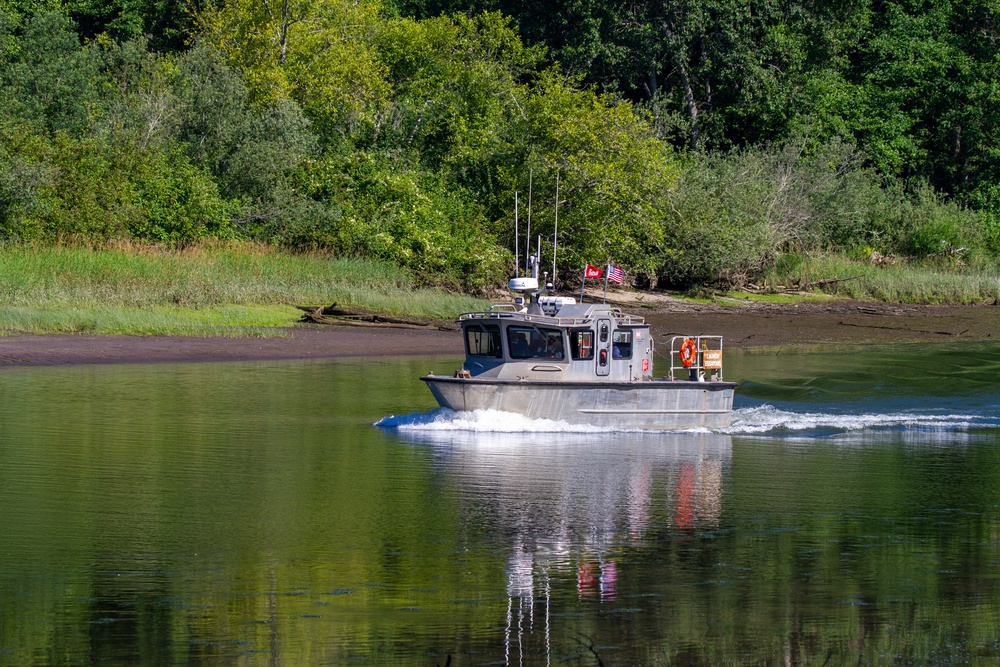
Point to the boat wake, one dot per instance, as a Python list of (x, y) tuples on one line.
[(483, 421), (769, 420), (760, 421)]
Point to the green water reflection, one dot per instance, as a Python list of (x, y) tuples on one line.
[(251, 514)]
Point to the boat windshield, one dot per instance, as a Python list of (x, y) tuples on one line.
[(533, 342), (622, 344), (483, 340)]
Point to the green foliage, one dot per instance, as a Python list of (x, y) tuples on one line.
[(48, 79), (924, 224), (456, 84), (899, 281), (732, 215), (614, 174), (204, 289), (988, 203), (249, 149), (63, 185), (716, 229), (354, 128), (317, 52), (393, 211), (26, 182), (912, 84)]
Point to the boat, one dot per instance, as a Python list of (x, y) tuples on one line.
[(549, 357)]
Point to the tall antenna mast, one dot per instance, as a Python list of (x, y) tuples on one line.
[(517, 254), (529, 224), (538, 255), (555, 238)]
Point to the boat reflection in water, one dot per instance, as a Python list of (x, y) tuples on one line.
[(568, 508)]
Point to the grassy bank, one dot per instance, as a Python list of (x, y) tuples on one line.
[(897, 282), (234, 289), (249, 290)]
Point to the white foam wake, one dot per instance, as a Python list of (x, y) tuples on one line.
[(758, 420), (768, 419), (482, 421)]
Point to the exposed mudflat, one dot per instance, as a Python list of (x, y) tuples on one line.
[(741, 324), (830, 322)]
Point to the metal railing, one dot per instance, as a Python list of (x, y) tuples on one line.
[(707, 356), (620, 318)]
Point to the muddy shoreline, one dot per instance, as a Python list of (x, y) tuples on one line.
[(741, 325), (847, 322)]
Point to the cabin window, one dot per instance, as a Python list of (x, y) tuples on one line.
[(483, 340), (534, 343), (581, 344), (621, 344)]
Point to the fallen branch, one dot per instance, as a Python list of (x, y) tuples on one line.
[(821, 283), (923, 331), (792, 289), (362, 318)]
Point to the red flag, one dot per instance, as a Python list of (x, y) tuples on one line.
[(593, 272)]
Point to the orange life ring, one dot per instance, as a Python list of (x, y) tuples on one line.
[(689, 352)]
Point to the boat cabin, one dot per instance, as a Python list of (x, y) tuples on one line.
[(558, 341)]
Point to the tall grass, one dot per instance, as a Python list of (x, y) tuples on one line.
[(903, 282), (202, 289)]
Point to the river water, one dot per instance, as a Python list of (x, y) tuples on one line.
[(255, 514)]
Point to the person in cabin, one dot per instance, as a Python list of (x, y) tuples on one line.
[(555, 350), (537, 345)]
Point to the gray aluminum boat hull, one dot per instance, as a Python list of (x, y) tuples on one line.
[(653, 404)]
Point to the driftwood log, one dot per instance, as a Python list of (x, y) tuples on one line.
[(796, 289), (334, 314)]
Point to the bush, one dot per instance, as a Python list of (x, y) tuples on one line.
[(929, 225), (84, 188), (732, 215), (393, 211)]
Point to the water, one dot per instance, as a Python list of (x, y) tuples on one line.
[(252, 514)]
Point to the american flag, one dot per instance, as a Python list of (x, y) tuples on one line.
[(615, 274)]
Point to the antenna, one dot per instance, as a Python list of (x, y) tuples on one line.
[(528, 239), (517, 254), (538, 254), (555, 237), (607, 270)]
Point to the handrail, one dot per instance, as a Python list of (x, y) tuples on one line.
[(621, 318), (696, 371)]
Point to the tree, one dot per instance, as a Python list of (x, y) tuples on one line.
[(49, 80), (614, 174), (250, 148), (456, 83), (316, 52), (137, 94)]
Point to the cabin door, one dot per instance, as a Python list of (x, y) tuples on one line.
[(603, 347)]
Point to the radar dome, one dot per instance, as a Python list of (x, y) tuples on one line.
[(522, 284)]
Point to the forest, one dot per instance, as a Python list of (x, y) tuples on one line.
[(696, 142)]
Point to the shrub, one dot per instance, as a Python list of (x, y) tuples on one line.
[(68, 187), (396, 212)]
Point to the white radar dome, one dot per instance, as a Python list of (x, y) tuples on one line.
[(522, 284)]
